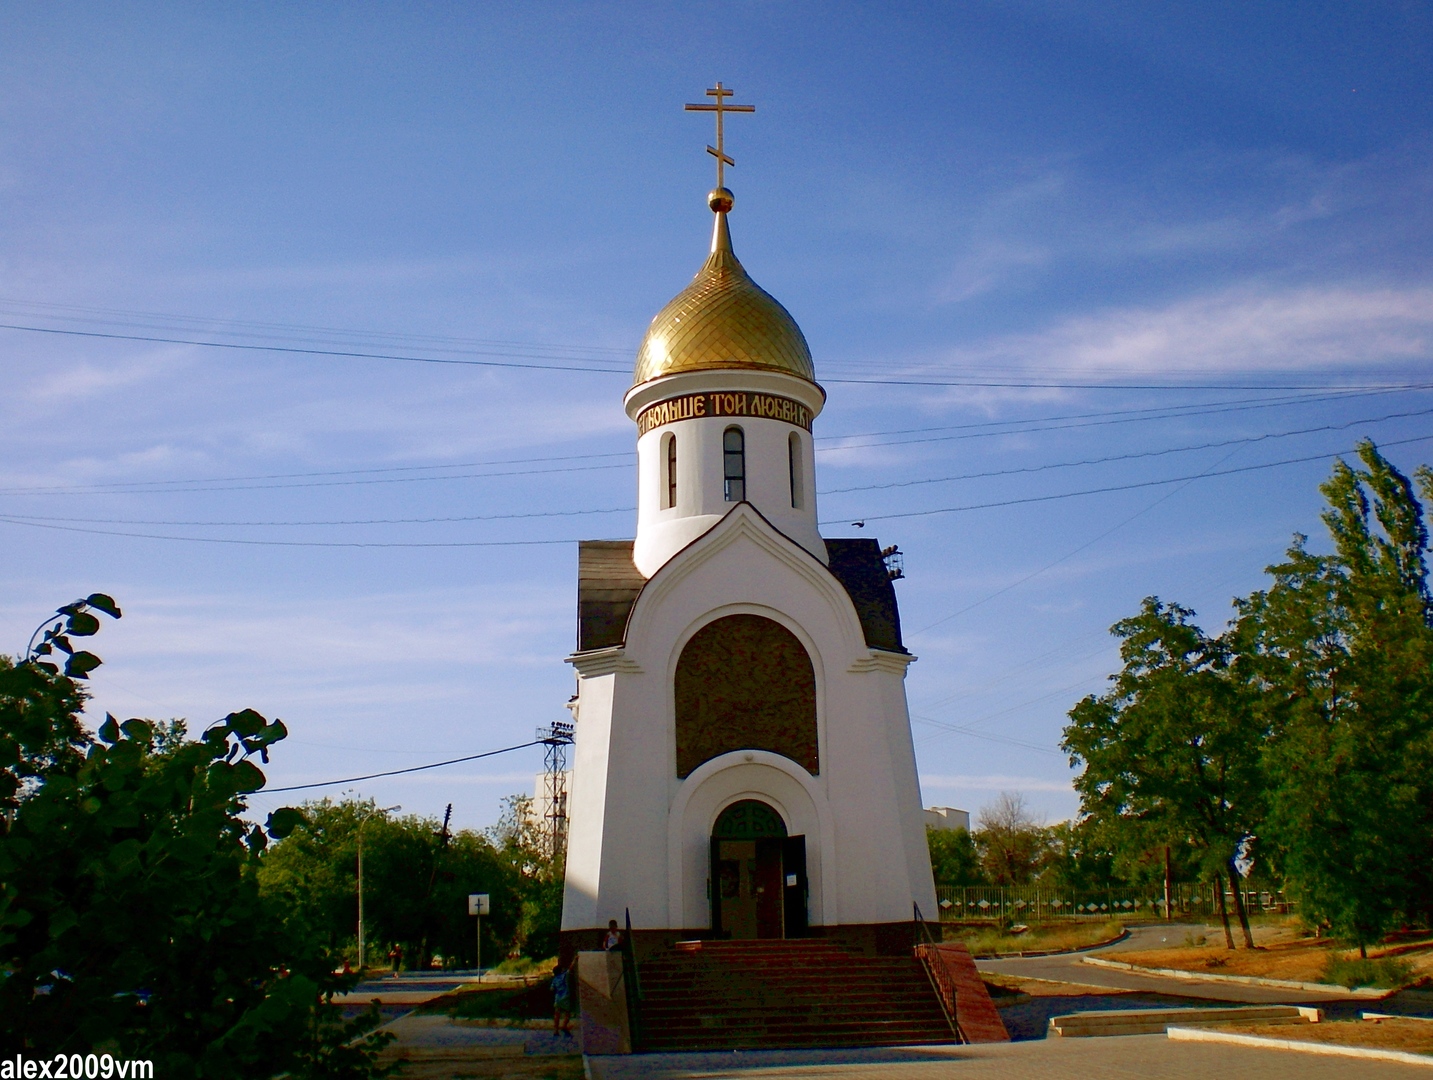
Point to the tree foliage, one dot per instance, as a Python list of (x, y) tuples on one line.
[(416, 883), (1307, 723), (1012, 845), (130, 915), (1337, 657), (954, 859)]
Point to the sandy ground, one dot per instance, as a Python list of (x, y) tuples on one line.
[(1279, 955), (1414, 1036)]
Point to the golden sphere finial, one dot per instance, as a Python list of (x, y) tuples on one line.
[(721, 200)]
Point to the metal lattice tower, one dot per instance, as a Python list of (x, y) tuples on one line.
[(556, 739)]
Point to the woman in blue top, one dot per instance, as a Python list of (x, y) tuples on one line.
[(562, 1000)]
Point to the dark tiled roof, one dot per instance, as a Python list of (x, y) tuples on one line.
[(608, 583), (607, 586), (857, 565)]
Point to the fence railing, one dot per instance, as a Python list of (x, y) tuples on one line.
[(1037, 903), (928, 953)]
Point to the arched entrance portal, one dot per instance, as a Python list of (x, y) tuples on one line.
[(758, 874)]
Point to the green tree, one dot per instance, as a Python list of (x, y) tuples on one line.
[(1012, 845), (540, 874), (1172, 753), (1338, 656), (130, 917), (953, 858), (416, 883)]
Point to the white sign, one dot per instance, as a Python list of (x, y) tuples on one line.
[(478, 903)]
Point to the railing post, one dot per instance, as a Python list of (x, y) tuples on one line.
[(632, 985)]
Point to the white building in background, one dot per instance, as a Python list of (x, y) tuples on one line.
[(743, 764), (947, 817)]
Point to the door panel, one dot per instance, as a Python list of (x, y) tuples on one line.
[(795, 889), (768, 889)]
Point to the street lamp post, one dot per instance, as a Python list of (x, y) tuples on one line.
[(366, 819)]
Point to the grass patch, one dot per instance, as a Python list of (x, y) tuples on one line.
[(522, 965), (1053, 937), (1385, 972), (531, 1002)]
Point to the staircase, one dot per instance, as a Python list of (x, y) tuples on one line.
[(746, 995)]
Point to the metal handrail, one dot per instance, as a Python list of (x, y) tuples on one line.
[(928, 953), (632, 986)]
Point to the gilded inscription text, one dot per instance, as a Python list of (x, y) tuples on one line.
[(734, 403)]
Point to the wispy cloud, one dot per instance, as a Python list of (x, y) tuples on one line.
[(1246, 329), (995, 782)]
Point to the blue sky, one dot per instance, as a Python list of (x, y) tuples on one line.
[(1075, 246)]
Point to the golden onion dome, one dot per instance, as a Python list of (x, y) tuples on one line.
[(723, 320)]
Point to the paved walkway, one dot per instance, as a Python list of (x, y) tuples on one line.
[(441, 1032), (1132, 1057), (1070, 968)]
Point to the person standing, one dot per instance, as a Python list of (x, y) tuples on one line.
[(562, 1003), (613, 940)]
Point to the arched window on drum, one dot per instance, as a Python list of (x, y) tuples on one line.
[(793, 456), (669, 470), (733, 456)]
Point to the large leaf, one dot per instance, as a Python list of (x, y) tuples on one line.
[(81, 664), (285, 820), (83, 624), (100, 602)]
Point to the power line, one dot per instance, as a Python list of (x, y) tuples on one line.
[(630, 509), (1121, 417), (302, 524), (1072, 553), (322, 483), (293, 543), (538, 543), (1007, 427), (158, 321), (399, 772), (1130, 457), (128, 484), (1125, 487), (589, 370), (300, 351)]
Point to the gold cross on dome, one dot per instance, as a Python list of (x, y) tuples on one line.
[(721, 108)]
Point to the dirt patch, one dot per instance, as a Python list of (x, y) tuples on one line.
[(1413, 1036), (1278, 956)]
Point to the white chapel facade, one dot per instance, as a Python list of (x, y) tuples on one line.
[(743, 764)]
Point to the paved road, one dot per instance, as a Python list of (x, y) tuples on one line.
[(1070, 968), (1132, 1057)]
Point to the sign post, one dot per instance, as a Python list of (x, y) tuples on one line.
[(479, 905)]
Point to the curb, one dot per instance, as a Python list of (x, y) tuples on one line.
[(1179, 1034), (1241, 980), (1053, 952)]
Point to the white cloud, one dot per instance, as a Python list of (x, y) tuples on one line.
[(1239, 330), (995, 782)]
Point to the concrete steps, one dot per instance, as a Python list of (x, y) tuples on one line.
[(750, 995), (1156, 1021)]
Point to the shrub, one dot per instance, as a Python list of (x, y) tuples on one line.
[(1388, 972)]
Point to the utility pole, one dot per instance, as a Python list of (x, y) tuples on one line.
[(557, 737), (366, 819), (1168, 885)]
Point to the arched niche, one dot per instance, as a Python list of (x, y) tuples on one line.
[(744, 682)]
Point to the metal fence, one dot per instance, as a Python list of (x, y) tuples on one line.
[(1035, 903)]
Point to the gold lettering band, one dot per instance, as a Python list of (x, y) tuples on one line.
[(720, 403)]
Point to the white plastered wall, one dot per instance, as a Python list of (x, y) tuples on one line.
[(664, 530), (869, 840)]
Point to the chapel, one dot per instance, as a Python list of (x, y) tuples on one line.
[(743, 765)]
